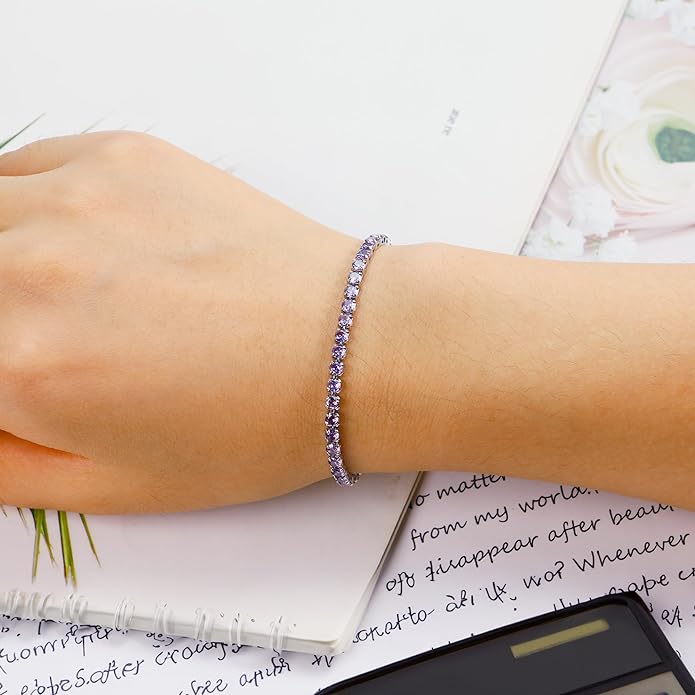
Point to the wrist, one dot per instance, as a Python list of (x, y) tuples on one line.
[(389, 415), (429, 391)]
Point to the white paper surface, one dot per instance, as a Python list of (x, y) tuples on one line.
[(369, 117), (250, 573), (416, 120), (554, 535), (390, 133)]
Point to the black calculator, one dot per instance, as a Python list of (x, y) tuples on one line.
[(607, 646)]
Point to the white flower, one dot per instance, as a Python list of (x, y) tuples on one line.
[(648, 165), (593, 212), (682, 20), (554, 239), (619, 249), (649, 9), (610, 107)]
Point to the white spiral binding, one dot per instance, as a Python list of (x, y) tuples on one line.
[(33, 606), (10, 601), (72, 608), (123, 614), (204, 625), (278, 633), (42, 609), (161, 619), (235, 630)]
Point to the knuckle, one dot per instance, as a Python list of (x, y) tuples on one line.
[(27, 366), (125, 145), (79, 196), (41, 270)]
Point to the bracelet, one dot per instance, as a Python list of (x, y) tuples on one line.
[(335, 384)]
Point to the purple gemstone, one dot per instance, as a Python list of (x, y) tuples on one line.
[(345, 321), (355, 278), (334, 386), (333, 418), (341, 478), (341, 337), (333, 450), (351, 291), (332, 434), (363, 257), (333, 402), (359, 264), (339, 352), (336, 369)]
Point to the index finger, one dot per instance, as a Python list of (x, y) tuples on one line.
[(49, 153)]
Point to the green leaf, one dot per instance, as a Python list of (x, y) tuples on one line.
[(83, 518), (4, 143), (675, 144), (40, 532), (69, 573)]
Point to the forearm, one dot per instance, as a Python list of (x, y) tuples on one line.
[(573, 372), (178, 359)]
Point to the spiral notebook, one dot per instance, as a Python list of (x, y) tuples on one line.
[(415, 120)]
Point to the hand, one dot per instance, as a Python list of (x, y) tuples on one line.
[(165, 333), (165, 330)]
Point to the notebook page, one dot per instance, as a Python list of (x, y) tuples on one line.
[(238, 571), (384, 118), (368, 117), (476, 552)]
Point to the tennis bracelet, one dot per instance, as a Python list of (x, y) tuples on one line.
[(338, 353)]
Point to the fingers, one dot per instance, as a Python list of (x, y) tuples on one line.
[(48, 154), (36, 477)]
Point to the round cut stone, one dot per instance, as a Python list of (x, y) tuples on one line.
[(348, 306), (339, 352), (341, 337), (342, 479), (333, 450), (332, 418), (351, 291), (345, 321), (359, 264), (332, 434), (355, 278), (334, 386), (336, 369), (333, 402)]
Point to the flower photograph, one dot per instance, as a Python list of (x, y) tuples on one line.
[(628, 174)]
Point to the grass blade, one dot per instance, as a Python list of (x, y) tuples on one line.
[(46, 535), (69, 573), (40, 531), (20, 131), (83, 518), (37, 550)]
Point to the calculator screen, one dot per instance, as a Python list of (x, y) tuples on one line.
[(663, 684), (610, 646)]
